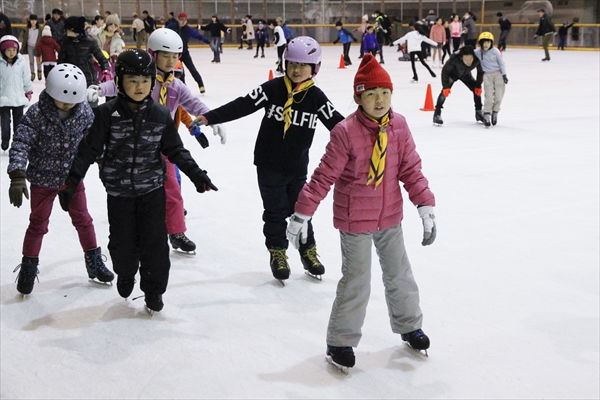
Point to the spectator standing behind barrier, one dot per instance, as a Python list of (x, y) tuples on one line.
[(563, 31), (139, 34), (5, 25), (546, 30), (505, 26)]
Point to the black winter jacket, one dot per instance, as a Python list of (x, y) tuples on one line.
[(131, 145), (456, 70), (215, 28), (286, 153), (81, 51), (546, 26)]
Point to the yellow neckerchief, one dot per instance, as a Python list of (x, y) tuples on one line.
[(109, 34), (377, 165), (287, 108), (162, 98)]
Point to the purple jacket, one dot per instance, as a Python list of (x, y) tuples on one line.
[(178, 94), (370, 42), (358, 208)]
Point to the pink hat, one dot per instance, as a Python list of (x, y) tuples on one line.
[(182, 15), (9, 44)]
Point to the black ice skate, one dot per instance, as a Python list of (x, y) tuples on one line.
[(154, 303), (418, 340), (494, 117), (125, 286), (279, 265), (311, 262), (487, 120), (479, 116), (94, 263), (341, 357), (27, 275), (4, 145), (181, 242), (437, 119)]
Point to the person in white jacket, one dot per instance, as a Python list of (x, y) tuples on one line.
[(15, 86), (413, 42)]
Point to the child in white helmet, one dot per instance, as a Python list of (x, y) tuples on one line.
[(15, 86), (292, 106), (494, 77), (42, 152)]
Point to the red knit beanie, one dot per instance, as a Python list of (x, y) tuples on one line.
[(370, 75), (182, 15)]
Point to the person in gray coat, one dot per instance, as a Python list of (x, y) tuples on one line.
[(469, 29)]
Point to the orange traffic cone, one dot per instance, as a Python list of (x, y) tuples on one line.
[(428, 100), (342, 63), (270, 74)]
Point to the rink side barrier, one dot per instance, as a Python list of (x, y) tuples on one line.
[(585, 38)]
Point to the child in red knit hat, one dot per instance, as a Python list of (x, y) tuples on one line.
[(369, 154)]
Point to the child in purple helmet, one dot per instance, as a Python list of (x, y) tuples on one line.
[(292, 105)]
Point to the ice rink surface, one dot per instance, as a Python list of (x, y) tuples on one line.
[(509, 290)]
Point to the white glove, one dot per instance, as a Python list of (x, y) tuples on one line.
[(219, 130), (92, 93), (429, 230), (297, 229)]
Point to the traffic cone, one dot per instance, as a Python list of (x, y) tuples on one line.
[(428, 100), (342, 63), (270, 74)]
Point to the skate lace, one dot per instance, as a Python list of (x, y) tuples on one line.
[(97, 261), (182, 237), (27, 272), (279, 256), (311, 254)]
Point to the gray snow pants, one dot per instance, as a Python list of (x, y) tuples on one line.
[(493, 91), (353, 290)]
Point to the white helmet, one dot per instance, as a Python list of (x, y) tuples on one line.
[(6, 42), (66, 83), (164, 39)]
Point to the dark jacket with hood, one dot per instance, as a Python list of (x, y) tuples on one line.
[(456, 70), (81, 51)]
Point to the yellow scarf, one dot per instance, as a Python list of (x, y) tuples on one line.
[(162, 99), (287, 108), (377, 166)]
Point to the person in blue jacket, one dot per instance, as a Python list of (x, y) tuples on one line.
[(347, 38), (185, 31)]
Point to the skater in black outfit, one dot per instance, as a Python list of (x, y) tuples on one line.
[(458, 68), (215, 27), (131, 133)]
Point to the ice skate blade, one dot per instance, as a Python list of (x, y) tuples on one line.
[(149, 311), (187, 253), (98, 282), (421, 352), (437, 124), (282, 281), (315, 277), (339, 367)]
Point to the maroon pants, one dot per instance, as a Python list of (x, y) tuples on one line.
[(42, 200)]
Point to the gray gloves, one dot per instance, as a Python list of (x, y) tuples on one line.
[(429, 229)]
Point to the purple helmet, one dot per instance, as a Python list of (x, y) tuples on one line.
[(305, 50)]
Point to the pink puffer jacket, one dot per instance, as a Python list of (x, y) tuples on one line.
[(358, 208)]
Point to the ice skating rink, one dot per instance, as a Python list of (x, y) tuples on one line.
[(509, 290)]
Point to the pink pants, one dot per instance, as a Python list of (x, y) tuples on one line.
[(175, 219), (42, 200)]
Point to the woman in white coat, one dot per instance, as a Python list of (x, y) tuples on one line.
[(413, 42)]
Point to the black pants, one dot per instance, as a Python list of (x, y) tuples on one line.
[(47, 69), (419, 54), (470, 83), (279, 192), (138, 239), (5, 121), (502, 41), (446, 49), (455, 44), (346, 53), (186, 59), (280, 51)]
